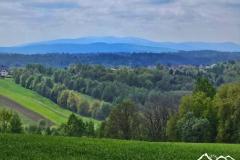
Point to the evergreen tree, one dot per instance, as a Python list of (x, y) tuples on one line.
[(16, 124), (203, 85), (75, 126)]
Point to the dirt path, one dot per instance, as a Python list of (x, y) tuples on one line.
[(19, 108)]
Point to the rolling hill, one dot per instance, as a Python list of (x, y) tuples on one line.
[(115, 60), (115, 45), (83, 48), (32, 105)]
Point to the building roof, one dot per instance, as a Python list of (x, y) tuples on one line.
[(3, 68)]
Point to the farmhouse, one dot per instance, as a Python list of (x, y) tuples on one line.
[(3, 71)]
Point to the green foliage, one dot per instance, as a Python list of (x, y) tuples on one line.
[(72, 102), (10, 122), (16, 124), (228, 103), (203, 85), (5, 118), (84, 108), (108, 84), (155, 115), (42, 128), (171, 131), (148, 119), (89, 129), (197, 103), (205, 118), (56, 91), (74, 127), (34, 102), (123, 121), (192, 129), (61, 87), (103, 112), (59, 148), (62, 99)]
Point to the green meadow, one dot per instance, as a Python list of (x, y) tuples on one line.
[(35, 102), (31, 147)]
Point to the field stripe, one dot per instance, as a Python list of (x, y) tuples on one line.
[(36, 103), (17, 107)]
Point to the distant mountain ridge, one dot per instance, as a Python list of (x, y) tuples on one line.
[(116, 45)]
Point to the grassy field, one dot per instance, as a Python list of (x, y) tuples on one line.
[(66, 148), (34, 102)]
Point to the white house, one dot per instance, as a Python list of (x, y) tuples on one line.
[(3, 71)]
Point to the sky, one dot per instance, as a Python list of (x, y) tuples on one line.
[(25, 21)]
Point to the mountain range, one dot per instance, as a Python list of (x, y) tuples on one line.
[(116, 45)]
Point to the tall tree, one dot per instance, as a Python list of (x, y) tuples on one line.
[(5, 118), (203, 85), (156, 118), (74, 126), (16, 124), (227, 102), (123, 121)]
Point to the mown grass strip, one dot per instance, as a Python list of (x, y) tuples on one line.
[(35, 102)]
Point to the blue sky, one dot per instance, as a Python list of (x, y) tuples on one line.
[(23, 21)]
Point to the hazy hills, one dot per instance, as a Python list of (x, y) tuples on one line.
[(115, 45), (133, 60)]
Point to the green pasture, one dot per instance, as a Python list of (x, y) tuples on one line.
[(31, 147)]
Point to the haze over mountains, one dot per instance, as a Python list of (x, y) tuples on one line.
[(115, 45)]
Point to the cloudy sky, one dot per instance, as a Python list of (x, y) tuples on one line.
[(23, 21)]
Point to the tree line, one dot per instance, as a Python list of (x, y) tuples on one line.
[(37, 78), (119, 59), (113, 85), (10, 122), (64, 85), (206, 115)]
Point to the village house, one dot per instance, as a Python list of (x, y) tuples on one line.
[(3, 71)]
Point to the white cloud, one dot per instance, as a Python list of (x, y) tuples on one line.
[(163, 20)]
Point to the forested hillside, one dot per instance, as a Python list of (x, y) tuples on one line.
[(120, 59), (129, 99), (115, 84)]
